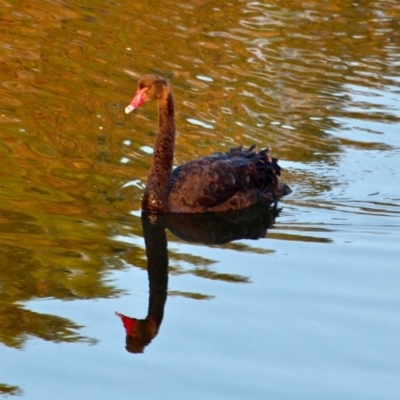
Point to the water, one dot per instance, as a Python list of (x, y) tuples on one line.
[(308, 312)]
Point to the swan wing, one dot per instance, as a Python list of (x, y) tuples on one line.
[(222, 182)]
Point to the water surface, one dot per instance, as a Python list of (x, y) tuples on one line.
[(310, 311)]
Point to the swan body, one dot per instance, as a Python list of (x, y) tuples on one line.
[(217, 183)]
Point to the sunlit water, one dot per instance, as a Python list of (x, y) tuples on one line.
[(309, 312)]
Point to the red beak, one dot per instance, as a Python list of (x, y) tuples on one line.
[(138, 99)]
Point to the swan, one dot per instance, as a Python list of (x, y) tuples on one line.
[(220, 182)]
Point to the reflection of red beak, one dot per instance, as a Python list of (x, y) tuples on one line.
[(129, 324), (138, 99)]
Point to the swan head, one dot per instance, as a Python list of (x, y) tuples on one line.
[(150, 87)]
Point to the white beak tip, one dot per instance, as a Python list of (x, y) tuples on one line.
[(129, 109)]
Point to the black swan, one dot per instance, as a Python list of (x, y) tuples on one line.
[(220, 182)]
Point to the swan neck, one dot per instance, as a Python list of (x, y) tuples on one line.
[(156, 194)]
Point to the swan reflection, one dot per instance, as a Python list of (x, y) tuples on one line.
[(210, 229)]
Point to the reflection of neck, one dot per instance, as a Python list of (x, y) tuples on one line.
[(157, 267), (155, 196), (140, 332)]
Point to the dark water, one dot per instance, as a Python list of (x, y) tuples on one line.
[(309, 312)]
